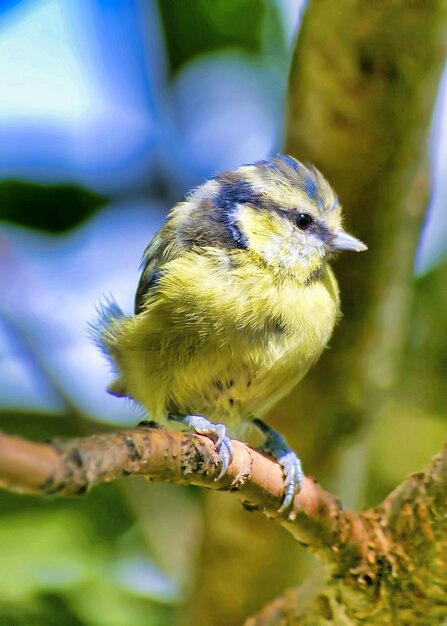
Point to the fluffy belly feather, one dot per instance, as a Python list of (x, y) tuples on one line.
[(247, 375), (231, 390), (232, 372)]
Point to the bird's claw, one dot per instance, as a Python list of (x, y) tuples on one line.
[(225, 451), (218, 434), (293, 481), (276, 446)]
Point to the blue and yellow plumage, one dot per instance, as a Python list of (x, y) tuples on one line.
[(236, 301)]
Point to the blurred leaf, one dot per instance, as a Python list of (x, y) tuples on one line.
[(35, 424), (102, 510), (50, 610), (42, 551), (214, 25), (54, 208), (61, 563), (102, 604)]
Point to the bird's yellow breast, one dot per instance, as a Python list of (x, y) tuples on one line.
[(224, 338)]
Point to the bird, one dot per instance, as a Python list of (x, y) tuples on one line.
[(236, 301)]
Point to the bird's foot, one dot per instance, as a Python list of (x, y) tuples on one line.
[(276, 446), (216, 432)]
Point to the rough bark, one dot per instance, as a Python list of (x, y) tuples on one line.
[(402, 576)]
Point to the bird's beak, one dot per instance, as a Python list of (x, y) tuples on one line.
[(345, 241)]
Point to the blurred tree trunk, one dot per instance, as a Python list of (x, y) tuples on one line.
[(362, 89), (363, 84)]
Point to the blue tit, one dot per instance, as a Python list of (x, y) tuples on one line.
[(235, 302)]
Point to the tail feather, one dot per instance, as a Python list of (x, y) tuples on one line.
[(105, 330)]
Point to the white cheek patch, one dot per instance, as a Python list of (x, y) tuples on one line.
[(291, 251), (273, 251), (312, 246), (302, 248)]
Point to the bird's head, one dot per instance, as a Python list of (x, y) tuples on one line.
[(283, 212)]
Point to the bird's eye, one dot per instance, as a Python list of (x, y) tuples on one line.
[(303, 220)]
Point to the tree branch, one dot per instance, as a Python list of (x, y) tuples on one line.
[(380, 560), (72, 466)]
